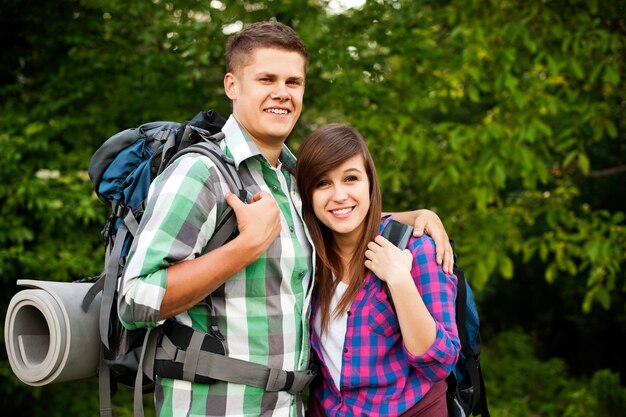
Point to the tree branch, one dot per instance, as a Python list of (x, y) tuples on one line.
[(606, 172)]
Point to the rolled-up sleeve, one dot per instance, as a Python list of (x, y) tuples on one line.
[(438, 290), (179, 220)]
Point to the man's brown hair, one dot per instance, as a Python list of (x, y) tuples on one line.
[(267, 34)]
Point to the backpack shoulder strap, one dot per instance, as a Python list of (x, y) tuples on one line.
[(398, 233), (209, 146), (226, 225)]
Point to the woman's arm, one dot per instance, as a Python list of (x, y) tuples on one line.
[(393, 266), (423, 297)]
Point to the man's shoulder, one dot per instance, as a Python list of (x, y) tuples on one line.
[(192, 164)]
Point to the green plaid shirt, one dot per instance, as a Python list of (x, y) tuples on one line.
[(262, 311)]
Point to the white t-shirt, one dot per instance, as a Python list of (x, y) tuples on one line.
[(331, 341)]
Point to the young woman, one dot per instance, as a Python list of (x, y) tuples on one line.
[(374, 360)]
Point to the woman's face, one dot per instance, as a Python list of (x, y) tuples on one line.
[(341, 198)]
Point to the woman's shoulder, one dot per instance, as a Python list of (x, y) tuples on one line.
[(422, 244), (423, 241)]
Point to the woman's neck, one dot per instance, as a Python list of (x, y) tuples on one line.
[(345, 248)]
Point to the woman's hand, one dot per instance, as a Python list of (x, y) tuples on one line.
[(427, 221), (387, 261)]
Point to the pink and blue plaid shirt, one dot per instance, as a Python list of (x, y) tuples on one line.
[(379, 377)]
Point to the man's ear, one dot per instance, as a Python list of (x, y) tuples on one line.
[(230, 85)]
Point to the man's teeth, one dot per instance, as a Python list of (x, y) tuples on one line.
[(276, 111), (342, 211)]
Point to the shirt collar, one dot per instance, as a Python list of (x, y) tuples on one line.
[(239, 145)]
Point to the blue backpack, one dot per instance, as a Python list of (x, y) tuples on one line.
[(466, 394), (121, 171)]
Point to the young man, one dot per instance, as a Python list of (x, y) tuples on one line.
[(260, 282)]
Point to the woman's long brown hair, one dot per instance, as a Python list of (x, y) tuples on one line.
[(325, 149)]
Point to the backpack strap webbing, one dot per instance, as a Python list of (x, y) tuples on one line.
[(104, 384), (147, 356), (198, 363)]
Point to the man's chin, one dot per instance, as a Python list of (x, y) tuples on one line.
[(281, 133)]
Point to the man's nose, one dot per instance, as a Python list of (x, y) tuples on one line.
[(280, 91)]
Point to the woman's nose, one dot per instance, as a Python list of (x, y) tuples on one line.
[(340, 194)]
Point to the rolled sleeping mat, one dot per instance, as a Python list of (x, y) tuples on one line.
[(48, 337)]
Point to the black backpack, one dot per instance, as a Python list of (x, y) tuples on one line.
[(466, 394)]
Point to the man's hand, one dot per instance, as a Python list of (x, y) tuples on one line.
[(258, 221), (191, 281), (428, 222)]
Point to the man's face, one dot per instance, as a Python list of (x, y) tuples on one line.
[(267, 94)]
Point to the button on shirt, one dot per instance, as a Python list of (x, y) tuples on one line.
[(379, 377), (262, 311)]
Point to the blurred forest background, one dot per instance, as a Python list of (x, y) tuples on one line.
[(506, 117)]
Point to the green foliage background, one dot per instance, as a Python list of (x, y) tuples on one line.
[(506, 117)]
